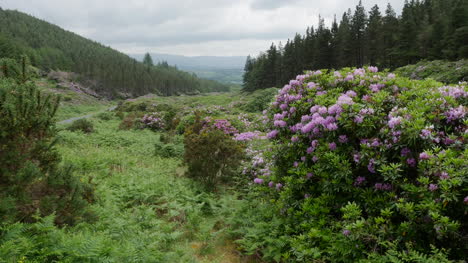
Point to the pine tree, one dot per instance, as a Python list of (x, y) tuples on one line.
[(389, 37), (358, 28), (147, 60), (343, 42), (374, 37)]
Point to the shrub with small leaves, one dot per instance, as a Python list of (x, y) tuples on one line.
[(211, 154), (83, 125)]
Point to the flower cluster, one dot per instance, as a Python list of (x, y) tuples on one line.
[(363, 136), (220, 124), (248, 136), (154, 121)]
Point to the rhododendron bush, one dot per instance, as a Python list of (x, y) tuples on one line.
[(366, 162)]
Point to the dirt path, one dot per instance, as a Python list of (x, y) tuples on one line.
[(85, 116)]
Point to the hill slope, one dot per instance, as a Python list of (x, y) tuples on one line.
[(51, 47)]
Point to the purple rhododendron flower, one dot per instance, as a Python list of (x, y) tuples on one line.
[(271, 184), (371, 166), (405, 151), (332, 146), (272, 134), (311, 85), (424, 156), (359, 180), (357, 157), (258, 181), (411, 162), (281, 124), (383, 187), (425, 133), (394, 121), (444, 175), (358, 119), (309, 175), (433, 187), (343, 139), (279, 186), (455, 113), (454, 92), (373, 69), (346, 232)]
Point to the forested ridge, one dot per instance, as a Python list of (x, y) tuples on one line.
[(50, 47), (427, 29)]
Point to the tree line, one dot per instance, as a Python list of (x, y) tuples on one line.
[(50, 47), (426, 29)]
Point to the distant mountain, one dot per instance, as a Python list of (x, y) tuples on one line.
[(50, 47), (207, 62), (226, 69)]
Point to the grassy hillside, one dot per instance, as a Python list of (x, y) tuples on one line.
[(444, 71)]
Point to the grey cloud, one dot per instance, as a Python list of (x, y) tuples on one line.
[(270, 4), (189, 24)]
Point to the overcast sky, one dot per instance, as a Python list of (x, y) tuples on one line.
[(189, 27)]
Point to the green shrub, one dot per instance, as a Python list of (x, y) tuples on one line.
[(31, 183), (10, 68), (261, 100), (130, 121), (185, 122), (169, 150), (211, 154), (120, 115), (365, 165), (105, 116), (83, 125)]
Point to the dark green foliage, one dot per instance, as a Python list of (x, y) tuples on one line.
[(115, 73), (10, 68), (130, 121), (261, 100), (169, 150), (432, 30), (147, 60), (105, 116), (211, 155), (83, 125), (30, 180)]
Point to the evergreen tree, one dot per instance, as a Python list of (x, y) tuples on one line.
[(358, 28), (389, 37), (374, 37), (430, 29), (147, 60), (343, 41)]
